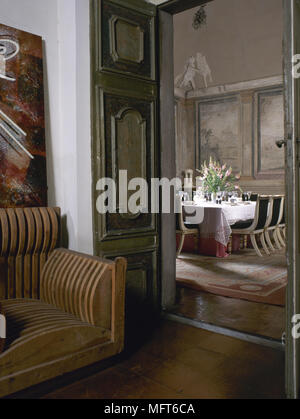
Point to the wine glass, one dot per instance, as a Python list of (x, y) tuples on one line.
[(249, 195), (198, 195), (180, 194), (236, 197)]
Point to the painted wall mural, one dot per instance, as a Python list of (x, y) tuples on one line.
[(22, 123), (270, 130), (241, 130), (219, 131)]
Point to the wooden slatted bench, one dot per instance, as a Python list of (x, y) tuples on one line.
[(77, 321), (27, 238)]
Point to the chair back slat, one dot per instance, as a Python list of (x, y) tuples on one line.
[(263, 207), (278, 202), (282, 219), (254, 197)]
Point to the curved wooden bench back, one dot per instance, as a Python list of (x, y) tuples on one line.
[(27, 237), (85, 286)]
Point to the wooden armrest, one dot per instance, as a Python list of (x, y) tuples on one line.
[(91, 288)]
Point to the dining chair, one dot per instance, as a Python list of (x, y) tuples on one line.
[(184, 229), (277, 214), (262, 219), (281, 229), (253, 197)]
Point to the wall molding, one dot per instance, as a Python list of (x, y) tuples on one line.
[(261, 154), (232, 88)]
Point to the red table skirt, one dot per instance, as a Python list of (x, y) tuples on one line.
[(207, 247)]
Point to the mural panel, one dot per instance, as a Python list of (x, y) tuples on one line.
[(270, 130), (22, 124), (219, 131)]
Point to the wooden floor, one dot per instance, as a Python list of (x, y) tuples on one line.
[(179, 362), (243, 316)]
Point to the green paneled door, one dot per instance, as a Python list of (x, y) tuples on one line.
[(124, 86)]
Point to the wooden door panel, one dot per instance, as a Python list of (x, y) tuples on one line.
[(128, 137), (141, 291), (124, 99), (127, 41)]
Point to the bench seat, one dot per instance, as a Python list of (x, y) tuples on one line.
[(78, 320), (40, 330)]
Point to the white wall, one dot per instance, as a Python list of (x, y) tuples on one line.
[(64, 27), (84, 176)]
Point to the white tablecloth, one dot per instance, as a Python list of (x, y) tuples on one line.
[(218, 218)]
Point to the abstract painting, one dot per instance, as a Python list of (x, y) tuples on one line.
[(22, 124)]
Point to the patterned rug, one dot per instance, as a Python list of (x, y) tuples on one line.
[(244, 276)]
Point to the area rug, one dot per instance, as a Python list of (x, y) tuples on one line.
[(243, 276)]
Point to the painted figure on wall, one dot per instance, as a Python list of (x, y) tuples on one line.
[(204, 69), (194, 67), (22, 124)]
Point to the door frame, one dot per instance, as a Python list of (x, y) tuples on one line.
[(292, 135), (167, 139), (168, 170)]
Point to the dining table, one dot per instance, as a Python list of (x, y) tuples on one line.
[(215, 227)]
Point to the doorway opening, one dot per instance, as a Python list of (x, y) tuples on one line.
[(229, 110)]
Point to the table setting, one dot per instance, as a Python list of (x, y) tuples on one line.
[(223, 203)]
